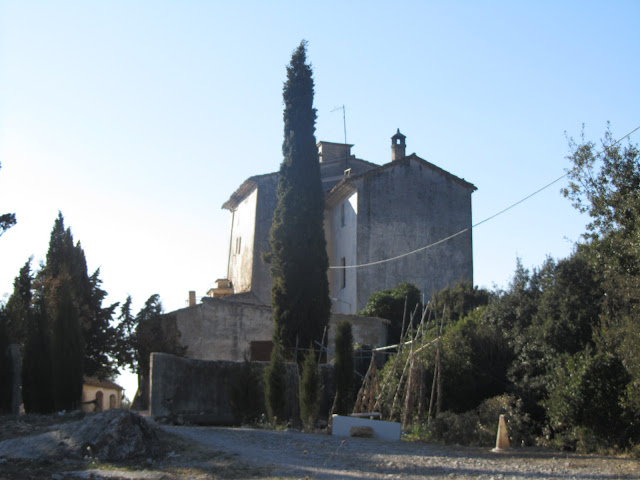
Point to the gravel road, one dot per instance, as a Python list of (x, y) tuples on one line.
[(292, 454)]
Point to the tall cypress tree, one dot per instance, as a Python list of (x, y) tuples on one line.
[(37, 387), (67, 349), (343, 402), (19, 306), (299, 263), (66, 258)]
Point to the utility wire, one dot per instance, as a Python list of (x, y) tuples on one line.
[(340, 267)]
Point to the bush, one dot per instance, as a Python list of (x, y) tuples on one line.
[(479, 426), (586, 394)]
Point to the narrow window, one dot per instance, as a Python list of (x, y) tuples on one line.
[(342, 215), (343, 283), (238, 245)]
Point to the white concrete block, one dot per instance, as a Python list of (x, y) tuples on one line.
[(381, 430)]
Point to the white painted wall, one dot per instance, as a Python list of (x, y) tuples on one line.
[(342, 243), (242, 235)]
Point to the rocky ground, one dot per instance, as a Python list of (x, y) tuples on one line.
[(59, 452)]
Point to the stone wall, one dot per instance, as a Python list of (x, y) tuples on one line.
[(197, 391), (405, 206)]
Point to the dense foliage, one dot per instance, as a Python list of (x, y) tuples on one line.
[(396, 305), (57, 315), (298, 257)]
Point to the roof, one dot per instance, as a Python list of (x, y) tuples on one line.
[(339, 190), (96, 382), (243, 190)]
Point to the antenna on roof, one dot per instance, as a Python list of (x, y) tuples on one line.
[(344, 120)]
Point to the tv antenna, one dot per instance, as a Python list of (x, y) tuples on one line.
[(344, 120)]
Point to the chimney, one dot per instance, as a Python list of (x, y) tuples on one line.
[(397, 146), (192, 298)]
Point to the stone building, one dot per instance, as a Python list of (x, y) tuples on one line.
[(406, 220), (374, 213)]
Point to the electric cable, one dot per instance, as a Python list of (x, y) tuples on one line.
[(340, 267)]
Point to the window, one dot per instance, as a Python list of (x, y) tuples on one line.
[(342, 215), (343, 263), (238, 245)]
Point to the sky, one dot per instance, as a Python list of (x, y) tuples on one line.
[(138, 119)]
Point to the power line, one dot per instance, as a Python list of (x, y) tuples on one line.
[(340, 267)]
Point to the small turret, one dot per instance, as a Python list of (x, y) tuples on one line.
[(398, 147)]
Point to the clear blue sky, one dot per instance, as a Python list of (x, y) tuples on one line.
[(138, 119)]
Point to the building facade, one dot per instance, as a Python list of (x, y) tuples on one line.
[(407, 220)]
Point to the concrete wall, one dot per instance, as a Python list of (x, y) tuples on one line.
[(220, 329), (405, 206), (197, 391)]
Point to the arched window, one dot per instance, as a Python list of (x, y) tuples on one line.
[(99, 401)]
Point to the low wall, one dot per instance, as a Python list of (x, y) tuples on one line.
[(197, 391)]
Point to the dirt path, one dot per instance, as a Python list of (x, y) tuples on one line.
[(293, 454)]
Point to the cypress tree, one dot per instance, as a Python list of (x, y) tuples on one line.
[(309, 389), (344, 369), (67, 349), (37, 388), (19, 305), (64, 258), (299, 263), (275, 386)]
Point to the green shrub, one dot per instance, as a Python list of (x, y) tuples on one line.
[(246, 393), (309, 390), (275, 386), (584, 406), (479, 426)]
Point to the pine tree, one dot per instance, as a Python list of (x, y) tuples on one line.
[(344, 369), (299, 263), (309, 389)]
